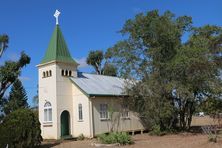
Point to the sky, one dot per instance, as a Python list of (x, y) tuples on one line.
[(86, 25)]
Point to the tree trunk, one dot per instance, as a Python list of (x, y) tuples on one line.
[(191, 110)]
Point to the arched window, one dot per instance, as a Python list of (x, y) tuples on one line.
[(50, 73), (43, 74), (48, 112), (66, 72), (47, 73), (62, 72), (70, 73), (80, 112)]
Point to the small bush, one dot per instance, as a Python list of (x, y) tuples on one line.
[(81, 137), (212, 138), (156, 131), (115, 137), (124, 138), (20, 129)]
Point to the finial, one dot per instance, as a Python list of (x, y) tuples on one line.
[(56, 15)]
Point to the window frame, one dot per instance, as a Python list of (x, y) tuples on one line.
[(47, 112), (125, 114), (103, 111), (80, 112)]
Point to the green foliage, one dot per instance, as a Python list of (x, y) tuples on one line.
[(17, 98), (20, 129), (171, 77), (10, 71), (95, 59), (146, 56), (212, 106), (196, 71), (156, 131), (115, 137), (4, 39), (81, 137), (107, 139), (109, 70)]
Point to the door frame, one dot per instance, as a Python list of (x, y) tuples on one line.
[(67, 115)]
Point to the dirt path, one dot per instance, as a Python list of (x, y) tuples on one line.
[(146, 141)]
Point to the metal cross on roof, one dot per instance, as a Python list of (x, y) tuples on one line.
[(56, 15)]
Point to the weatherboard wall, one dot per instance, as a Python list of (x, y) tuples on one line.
[(132, 123)]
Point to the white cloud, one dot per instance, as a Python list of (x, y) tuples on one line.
[(82, 62)]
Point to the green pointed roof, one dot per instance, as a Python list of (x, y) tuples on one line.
[(57, 49)]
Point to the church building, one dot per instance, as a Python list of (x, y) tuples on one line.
[(73, 103)]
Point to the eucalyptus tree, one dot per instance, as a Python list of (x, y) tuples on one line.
[(99, 62), (4, 39), (171, 74), (10, 70)]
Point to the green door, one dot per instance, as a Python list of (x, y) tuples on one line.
[(64, 123)]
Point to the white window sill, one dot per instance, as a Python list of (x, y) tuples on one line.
[(80, 121), (47, 122)]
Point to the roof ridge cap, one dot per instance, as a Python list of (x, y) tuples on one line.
[(100, 75)]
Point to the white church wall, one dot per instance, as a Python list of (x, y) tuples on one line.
[(56, 89), (64, 95), (47, 92), (81, 126)]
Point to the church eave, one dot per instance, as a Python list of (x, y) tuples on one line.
[(55, 61)]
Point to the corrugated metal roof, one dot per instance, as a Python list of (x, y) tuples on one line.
[(57, 49), (99, 85)]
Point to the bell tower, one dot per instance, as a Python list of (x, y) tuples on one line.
[(55, 91)]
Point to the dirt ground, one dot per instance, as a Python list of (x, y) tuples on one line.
[(182, 140), (145, 141)]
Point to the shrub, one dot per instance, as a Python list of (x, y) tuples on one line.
[(115, 137), (124, 138), (157, 131), (20, 129), (81, 137)]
